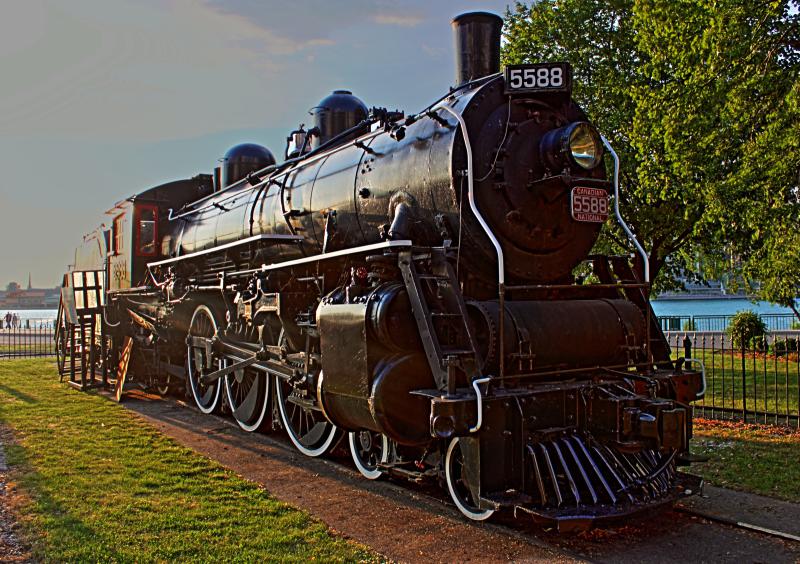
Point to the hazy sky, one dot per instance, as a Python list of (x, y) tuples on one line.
[(100, 99)]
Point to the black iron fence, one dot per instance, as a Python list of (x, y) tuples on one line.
[(759, 383), (28, 338), (774, 322)]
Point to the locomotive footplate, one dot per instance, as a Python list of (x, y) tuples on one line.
[(572, 454)]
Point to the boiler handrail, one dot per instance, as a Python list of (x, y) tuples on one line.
[(631, 237), (501, 271), (501, 276)]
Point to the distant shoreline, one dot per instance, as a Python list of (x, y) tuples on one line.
[(16, 307)]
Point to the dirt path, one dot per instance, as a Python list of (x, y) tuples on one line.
[(11, 549), (392, 520), (409, 525)]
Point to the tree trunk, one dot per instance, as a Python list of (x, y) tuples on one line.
[(655, 267), (795, 310)]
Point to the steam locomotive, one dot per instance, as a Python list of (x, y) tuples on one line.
[(409, 281)]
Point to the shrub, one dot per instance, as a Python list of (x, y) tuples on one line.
[(785, 346), (689, 325), (744, 326), (795, 325), (760, 343)]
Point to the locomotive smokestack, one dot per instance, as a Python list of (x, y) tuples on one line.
[(477, 39)]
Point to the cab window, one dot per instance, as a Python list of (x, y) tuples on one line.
[(118, 234), (146, 224)]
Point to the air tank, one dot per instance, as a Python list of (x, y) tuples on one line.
[(335, 114), (242, 159)]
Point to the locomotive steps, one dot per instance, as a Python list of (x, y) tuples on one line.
[(403, 524)]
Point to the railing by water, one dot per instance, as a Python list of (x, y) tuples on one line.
[(29, 338), (774, 322), (757, 384)]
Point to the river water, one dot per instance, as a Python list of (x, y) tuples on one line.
[(712, 306)]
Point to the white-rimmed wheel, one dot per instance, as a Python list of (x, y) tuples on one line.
[(368, 449), (247, 391), (163, 387), (457, 483), (206, 396), (309, 431)]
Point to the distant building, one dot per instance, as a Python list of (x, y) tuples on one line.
[(14, 297)]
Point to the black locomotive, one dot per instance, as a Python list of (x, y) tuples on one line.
[(409, 280)]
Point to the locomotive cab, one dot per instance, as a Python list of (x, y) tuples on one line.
[(140, 227)]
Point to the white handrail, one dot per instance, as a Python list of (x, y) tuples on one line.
[(501, 276), (475, 383), (617, 213)]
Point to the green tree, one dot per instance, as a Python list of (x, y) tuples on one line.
[(746, 326), (692, 94), (723, 109)]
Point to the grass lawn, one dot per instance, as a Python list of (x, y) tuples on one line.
[(771, 382), (755, 458), (99, 484)]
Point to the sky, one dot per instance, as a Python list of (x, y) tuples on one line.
[(100, 99)]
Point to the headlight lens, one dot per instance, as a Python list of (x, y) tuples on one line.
[(575, 145), (584, 145)]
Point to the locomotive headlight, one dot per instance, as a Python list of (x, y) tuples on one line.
[(576, 144), (584, 145)]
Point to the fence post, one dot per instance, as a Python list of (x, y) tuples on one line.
[(744, 382), (687, 350)]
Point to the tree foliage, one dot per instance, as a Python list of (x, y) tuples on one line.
[(699, 98)]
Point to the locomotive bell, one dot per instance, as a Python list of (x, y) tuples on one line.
[(241, 160), (335, 114), (477, 39)]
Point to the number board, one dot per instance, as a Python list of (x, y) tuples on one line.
[(543, 77), (589, 204)]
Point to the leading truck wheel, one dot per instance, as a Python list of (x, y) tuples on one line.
[(163, 388), (369, 449), (206, 396), (454, 468)]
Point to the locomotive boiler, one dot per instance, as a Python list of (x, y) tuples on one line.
[(409, 281)]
